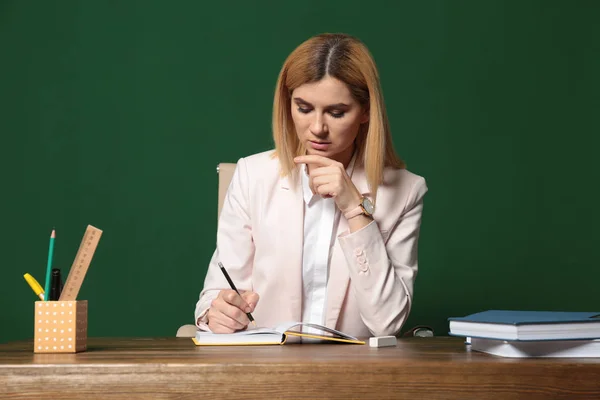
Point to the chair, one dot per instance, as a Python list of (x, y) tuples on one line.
[(225, 172)]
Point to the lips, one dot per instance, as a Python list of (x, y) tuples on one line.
[(319, 145)]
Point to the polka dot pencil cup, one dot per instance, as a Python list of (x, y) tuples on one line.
[(60, 326)]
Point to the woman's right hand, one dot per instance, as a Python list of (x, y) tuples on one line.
[(227, 312)]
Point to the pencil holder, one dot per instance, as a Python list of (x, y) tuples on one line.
[(60, 326)]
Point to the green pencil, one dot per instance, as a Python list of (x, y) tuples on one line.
[(49, 266)]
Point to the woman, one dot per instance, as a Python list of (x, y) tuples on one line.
[(323, 229)]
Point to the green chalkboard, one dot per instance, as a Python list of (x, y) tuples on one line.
[(116, 113)]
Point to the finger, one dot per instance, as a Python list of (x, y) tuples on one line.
[(327, 190), (221, 323), (251, 298), (230, 311), (215, 327), (235, 313), (321, 180), (219, 304), (314, 159), (328, 170), (231, 297), (334, 186), (311, 186), (218, 324)]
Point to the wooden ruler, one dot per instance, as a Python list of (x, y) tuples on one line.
[(81, 264)]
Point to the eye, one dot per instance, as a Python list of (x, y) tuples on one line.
[(304, 110), (337, 114)]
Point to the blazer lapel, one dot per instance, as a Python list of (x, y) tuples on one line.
[(290, 241), (339, 278)]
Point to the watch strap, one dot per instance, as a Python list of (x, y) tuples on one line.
[(354, 212)]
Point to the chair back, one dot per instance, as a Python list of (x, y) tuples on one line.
[(225, 171)]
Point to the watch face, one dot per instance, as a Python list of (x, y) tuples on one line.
[(368, 206)]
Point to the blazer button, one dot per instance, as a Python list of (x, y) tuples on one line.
[(363, 267)]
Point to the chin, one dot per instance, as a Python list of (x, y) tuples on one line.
[(322, 153)]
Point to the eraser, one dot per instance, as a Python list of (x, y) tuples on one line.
[(382, 341)]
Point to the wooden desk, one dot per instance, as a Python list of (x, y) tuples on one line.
[(171, 368)]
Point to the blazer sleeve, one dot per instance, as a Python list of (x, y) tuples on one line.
[(235, 246), (383, 273)]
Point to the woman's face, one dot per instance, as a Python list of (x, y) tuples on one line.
[(327, 118)]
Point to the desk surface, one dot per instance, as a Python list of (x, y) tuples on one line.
[(432, 368)]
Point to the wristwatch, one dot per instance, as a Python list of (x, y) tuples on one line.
[(365, 207)]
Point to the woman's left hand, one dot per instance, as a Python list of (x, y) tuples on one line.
[(329, 179)]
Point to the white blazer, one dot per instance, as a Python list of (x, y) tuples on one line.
[(260, 243)]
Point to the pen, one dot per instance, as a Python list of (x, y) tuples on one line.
[(49, 265), (37, 289), (234, 288)]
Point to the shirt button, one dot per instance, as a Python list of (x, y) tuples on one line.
[(361, 260), (358, 252)]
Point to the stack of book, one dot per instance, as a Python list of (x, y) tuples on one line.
[(530, 333)]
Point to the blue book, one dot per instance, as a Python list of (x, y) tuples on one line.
[(527, 325)]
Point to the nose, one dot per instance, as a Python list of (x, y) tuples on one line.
[(318, 126)]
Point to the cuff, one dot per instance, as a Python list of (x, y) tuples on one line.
[(363, 248), (202, 321)]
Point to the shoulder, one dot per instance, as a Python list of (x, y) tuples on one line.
[(259, 167), (403, 180), (262, 160), (401, 188)]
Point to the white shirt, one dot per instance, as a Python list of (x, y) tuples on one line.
[(321, 215)]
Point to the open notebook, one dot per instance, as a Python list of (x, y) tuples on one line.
[(277, 335)]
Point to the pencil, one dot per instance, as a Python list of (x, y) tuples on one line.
[(49, 265), (234, 288)]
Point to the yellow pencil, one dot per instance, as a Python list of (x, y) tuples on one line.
[(37, 288)]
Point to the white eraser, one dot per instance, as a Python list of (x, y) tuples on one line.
[(382, 341)]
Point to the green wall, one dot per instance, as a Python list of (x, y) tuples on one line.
[(115, 114)]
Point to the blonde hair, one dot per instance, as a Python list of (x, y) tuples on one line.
[(347, 59)]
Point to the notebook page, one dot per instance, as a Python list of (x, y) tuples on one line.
[(282, 328)]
